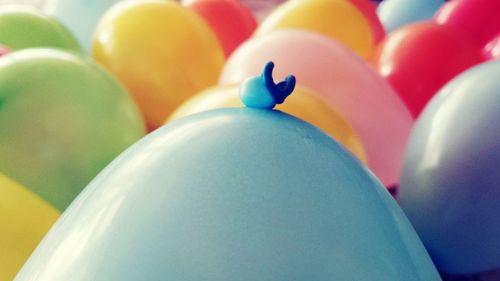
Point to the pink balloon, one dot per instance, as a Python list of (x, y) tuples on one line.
[(478, 19), (344, 80), (492, 49)]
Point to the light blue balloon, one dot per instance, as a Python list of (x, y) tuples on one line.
[(79, 16), (450, 185), (234, 194), (397, 13)]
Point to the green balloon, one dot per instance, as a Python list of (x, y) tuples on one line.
[(62, 119), (22, 28)]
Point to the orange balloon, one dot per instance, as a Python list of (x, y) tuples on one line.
[(231, 21), (303, 103), (163, 52)]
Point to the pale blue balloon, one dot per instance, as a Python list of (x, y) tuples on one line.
[(79, 16), (233, 194), (450, 185), (397, 13)]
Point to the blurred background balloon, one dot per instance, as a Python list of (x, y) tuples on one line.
[(262, 8), (342, 79), (450, 181), (336, 19), (63, 119), (420, 58), (478, 19), (163, 52), (231, 21), (24, 220), (25, 27), (79, 16), (304, 104), (370, 13), (397, 13)]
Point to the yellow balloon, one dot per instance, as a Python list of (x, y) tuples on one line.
[(337, 19), (163, 52), (303, 103), (24, 220)]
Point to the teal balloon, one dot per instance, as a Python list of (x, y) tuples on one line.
[(63, 119), (233, 194), (450, 185), (80, 16), (396, 13), (25, 27)]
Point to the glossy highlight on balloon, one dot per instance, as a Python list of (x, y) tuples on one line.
[(449, 185), (233, 194), (161, 68), (340, 78), (63, 122), (24, 220), (336, 19)]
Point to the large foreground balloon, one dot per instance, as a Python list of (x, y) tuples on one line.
[(397, 13), (304, 104), (336, 19), (231, 21), (478, 19), (344, 80), (234, 194), (62, 119), (24, 27), (80, 16), (163, 52), (450, 183), (420, 58), (24, 220)]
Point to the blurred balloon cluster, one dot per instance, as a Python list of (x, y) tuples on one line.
[(131, 119)]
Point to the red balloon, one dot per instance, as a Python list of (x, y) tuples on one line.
[(479, 19), (231, 21), (420, 58), (370, 13), (492, 49)]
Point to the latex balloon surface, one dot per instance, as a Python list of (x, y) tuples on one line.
[(24, 220), (370, 13), (304, 104), (343, 80), (478, 19), (80, 16), (420, 58), (163, 52), (231, 21), (62, 122), (336, 19), (24, 27), (449, 186), (397, 13), (234, 194)]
